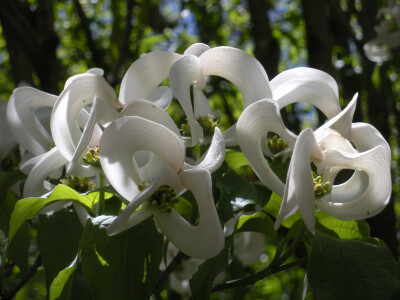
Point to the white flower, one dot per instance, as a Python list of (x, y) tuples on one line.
[(30, 124), (140, 83), (24, 124), (364, 195), (69, 116), (121, 148), (295, 85), (388, 35), (235, 65), (29, 129), (248, 248)]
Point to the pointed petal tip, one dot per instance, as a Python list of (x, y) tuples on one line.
[(277, 225)]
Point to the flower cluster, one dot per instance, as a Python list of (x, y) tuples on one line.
[(388, 34), (90, 132)]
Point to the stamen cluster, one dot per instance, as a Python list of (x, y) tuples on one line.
[(321, 188), (163, 198), (92, 157), (276, 144), (207, 122), (80, 184)]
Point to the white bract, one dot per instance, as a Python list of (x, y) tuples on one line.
[(388, 34), (364, 195), (235, 65), (141, 145), (140, 83), (295, 85), (121, 146), (29, 129), (66, 119), (23, 121)]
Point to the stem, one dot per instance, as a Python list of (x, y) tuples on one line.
[(28, 276), (252, 279), (172, 265), (292, 246), (101, 199), (274, 267)]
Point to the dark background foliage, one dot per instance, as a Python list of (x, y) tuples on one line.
[(44, 42)]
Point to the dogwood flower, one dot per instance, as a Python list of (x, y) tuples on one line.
[(330, 148), (235, 65), (248, 248), (28, 116), (141, 82), (79, 91), (29, 129), (388, 34), (295, 85), (131, 135), (23, 121)]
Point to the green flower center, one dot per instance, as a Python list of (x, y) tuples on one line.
[(92, 157), (11, 161), (321, 188), (163, 198), (276, 144), (208, 123), (79, 184)]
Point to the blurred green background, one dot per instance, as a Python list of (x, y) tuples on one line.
[(44, 42)]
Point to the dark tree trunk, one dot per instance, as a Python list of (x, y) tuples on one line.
[(266, 47), (319, 35), (17, 43), (383, 225), (321, 17), (31, 42), (319, 38)]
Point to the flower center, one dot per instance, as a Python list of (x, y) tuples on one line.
[(276, 144), (321, 188), (11, 161), (163, 198), (79, 184), (207, 122), (92, 157)]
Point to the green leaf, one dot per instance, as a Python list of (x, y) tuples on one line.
[(127, 262), (18, 251), (112, 206), (27, 208), (6, 208), (273, 206), (58, 239), (187, 207), (80, 289), (280, 168), (351, 269), (34, 288), (7, 180), (258, 222), (202, 281), (236, 193), (235, 159), (342, 229), (62, 284), (7, 197)]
